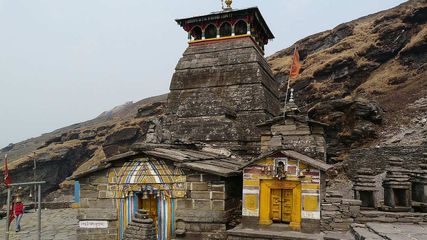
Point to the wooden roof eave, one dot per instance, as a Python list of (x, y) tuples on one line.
[(118, 157), (308, 160), (198, 167), (295, 155), (253, 10), (165, 156)]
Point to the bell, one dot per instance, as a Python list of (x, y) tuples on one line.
[(145, 195)]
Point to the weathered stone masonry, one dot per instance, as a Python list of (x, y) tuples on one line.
[(220, 92)]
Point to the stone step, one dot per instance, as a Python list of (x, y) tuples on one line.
[(338, 236), (138, 237), (141, 215), (142, 211), (140, 227), (143, 221), (361, 232)]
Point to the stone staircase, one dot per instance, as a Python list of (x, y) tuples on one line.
[(141, 228)]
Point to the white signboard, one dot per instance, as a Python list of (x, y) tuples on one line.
[(310, 215), (93, 224)]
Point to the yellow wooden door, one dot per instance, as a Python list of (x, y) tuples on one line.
[(281, 205), (276, 205), (287, 205)]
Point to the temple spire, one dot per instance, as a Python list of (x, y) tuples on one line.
[(291, 107), (228, 3)]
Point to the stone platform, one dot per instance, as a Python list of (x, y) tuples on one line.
[(281, 231), (274, 231), (391, 217)]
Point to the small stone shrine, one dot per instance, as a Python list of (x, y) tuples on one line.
[(365, 189), (397, 188), (286, 184), (419, 187)]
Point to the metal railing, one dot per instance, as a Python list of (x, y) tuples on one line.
[(39, 212)]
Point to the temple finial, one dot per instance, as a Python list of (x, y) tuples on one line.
[(228, 2), (291, 99), (290, 106)]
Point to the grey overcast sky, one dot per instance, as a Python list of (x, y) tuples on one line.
[(66, 61)]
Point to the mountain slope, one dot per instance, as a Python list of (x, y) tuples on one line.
[(366, 78), (79, 147)]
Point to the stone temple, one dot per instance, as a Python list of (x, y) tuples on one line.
[(231, 164), (223, 110), (223, 87)]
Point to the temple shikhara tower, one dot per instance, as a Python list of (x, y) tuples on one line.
[(223, 87)]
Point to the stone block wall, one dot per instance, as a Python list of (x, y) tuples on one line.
[(377, 159), (95, 206), (219, 92), (109, 233), (338, 213), (295, 135), (208, 206)]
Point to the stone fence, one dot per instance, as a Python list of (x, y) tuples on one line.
[(338, 213)]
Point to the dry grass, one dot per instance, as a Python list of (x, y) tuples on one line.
[(417, 41), (378, 81)]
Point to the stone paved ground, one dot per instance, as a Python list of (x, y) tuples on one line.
[(399, 231), (390, 231), (60, 224)]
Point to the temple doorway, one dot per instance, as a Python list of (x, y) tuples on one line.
[(281, 205), (148, 203)]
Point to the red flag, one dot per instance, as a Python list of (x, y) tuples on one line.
[(7, 180), (296, 66)]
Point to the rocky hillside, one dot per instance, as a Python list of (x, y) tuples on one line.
[(366, 79), (79, 147)]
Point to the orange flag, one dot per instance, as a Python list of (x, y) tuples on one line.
[(296, 66)]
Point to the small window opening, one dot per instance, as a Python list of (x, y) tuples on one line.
[(196, 33), (241, 28), (210, 32), (225, 30)]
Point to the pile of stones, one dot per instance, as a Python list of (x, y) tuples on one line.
[(338, 213), (141, 228)]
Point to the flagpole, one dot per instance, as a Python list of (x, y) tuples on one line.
[(6, 232)]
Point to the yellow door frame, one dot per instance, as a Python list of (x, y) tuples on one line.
[(265, 196)]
